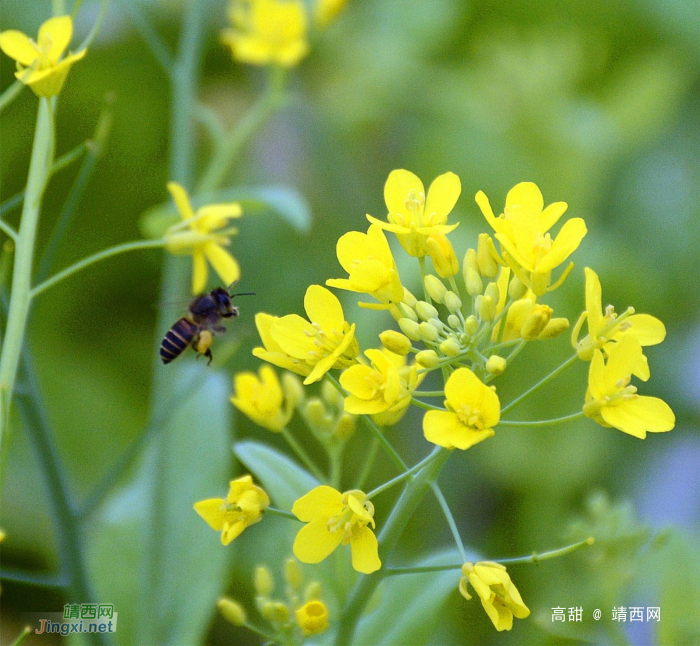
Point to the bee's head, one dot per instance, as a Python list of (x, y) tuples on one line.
[(223, 302)]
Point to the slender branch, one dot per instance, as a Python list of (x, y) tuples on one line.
[(95, 28), (159, 49), (535, 558), (369, 464), (10, 94), (11, 203), (401, 477), (40, 579), (428, 393), (544, 422), (393, 571), (68, 158), (423, 405), (8, 230), (450, 519), (303, 456), (281, 513)]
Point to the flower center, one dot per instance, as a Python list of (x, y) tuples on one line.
[(470, 416)]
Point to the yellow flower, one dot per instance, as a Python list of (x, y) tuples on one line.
[(413, 216), (497, 593), (326, 11), (326, 341), (243, 507), (382, 389), (267, 32), (523, 231), (39, 63), (473, 411), (605, 327), (612, 402), (442, 254), (200, 235), (312, 617), (371, 267), (272, 352), (261, 399), (333, 518)]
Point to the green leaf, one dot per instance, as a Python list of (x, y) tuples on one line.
[(284, 480)]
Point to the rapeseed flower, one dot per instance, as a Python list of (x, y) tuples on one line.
[(39, 63), (202, 236), (333, 518), (242, 507), (326, 11), (323, 342), (473, 409), (413, 216), (497, 593), (272, 352), (612, 402), (262, 398), (267, 32), (523, 232), (371, 267), (312, 617)]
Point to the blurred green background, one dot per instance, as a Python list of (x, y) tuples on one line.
[(598, 102)]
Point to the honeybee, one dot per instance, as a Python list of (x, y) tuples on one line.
[(198, 328)]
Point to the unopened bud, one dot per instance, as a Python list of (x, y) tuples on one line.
[(408, 313), (487, 308), (314, 412), (232, 611), (452, 302), (435, 287), (428, 332), (275, 612), (516, 289), (330, 394), (471, 325), (495, 365), (453, 321), (293, 389), (410, 328), (442, 254), (426, 310), (263, 582), (488, 267), (450, 347), (536, 322), (312, 591), (470, 261), (493, 291), (396, 342), (428, 359), (472, 281), (292, 574), (554, 328), (345, 428), (409, 298)]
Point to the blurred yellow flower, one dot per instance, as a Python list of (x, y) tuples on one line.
[(242, 507), (333, 518), (39, 63), (497, 593), (473, 411), (312, 617), (200, 235), (262, 398), (326, 11), (612, 402), (371, 267), (323, 342), (413, 216), (605, 327), (523, 231), (267, 32)]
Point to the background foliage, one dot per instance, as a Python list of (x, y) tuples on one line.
[(598, 102)]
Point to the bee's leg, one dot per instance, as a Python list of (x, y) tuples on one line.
[(209, 356), (219, 329)]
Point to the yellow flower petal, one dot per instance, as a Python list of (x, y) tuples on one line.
[(181, 199), (314, 542), (199, 272), (527, 195), (55, 34), (323, 501), (210, 510), (365, 554), (223, 263), (18, 46), (324, 308), (398, 185), (445, 429), (640, 415), (566, 242), (594, 302), (442, 197), (647, 329)]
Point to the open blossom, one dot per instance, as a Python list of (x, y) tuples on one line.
[(523, 232), (323, 342), (312, 617), (371, 267), (413, 216), (271, 350), (333, 518), (267, 32), (201, 234), (497, 593), (242, 507), (605, 327), (473, 409), (611, 401), (39, 64), (262, 399)]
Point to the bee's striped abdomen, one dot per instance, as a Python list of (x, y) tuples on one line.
[(176, 340)]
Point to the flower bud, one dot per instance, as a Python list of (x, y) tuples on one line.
[(428, 359), (472, 281), (435, 287), (410, 328), (312, 617), (452, 302), (345, 428), (492, 291), (396, 342), (409, 298), (488, 267), (292, 574), (516, 289), (470, 261), (453, 321), (231, 611), (331, 395), (487, 308), (450, 347), (293, 389), (263, 582), (437, 324), (408, 313), (536, 322), (495, 365), (442, 254), (275, 612), (428, 332), (426, 310), (471, 325), (314, 413), (312, 591), (554, 328)]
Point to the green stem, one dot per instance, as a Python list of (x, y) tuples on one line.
[(369, 464), (8, 230), (20, 299), (68, 158), (428, 393), (281, 513), (91, 260), (544, 422), (403, 509), (423, 405), (450, 520), (393, 571), (10, 94), (556, 372), (39, 579), (10, 203), (303, 456), (27, 630), (421, 263), (401, 477), (160, 51), (535, 558)]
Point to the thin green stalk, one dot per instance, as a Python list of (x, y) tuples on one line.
[(20, 299), (229, 149), (535, 558), (544, 422), (159, 49), (368, 465), (10, 203), (39, 579), (421, 263), (393, 528), (8, 230), (556, 372), (428, 393), (27, 630), (303, 456), (281, 513), (423, 569), (424, 406), (10, 94), (403, 476), (91, 260), (68, 158), (336, 458), (87, 41), (450, 520)]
